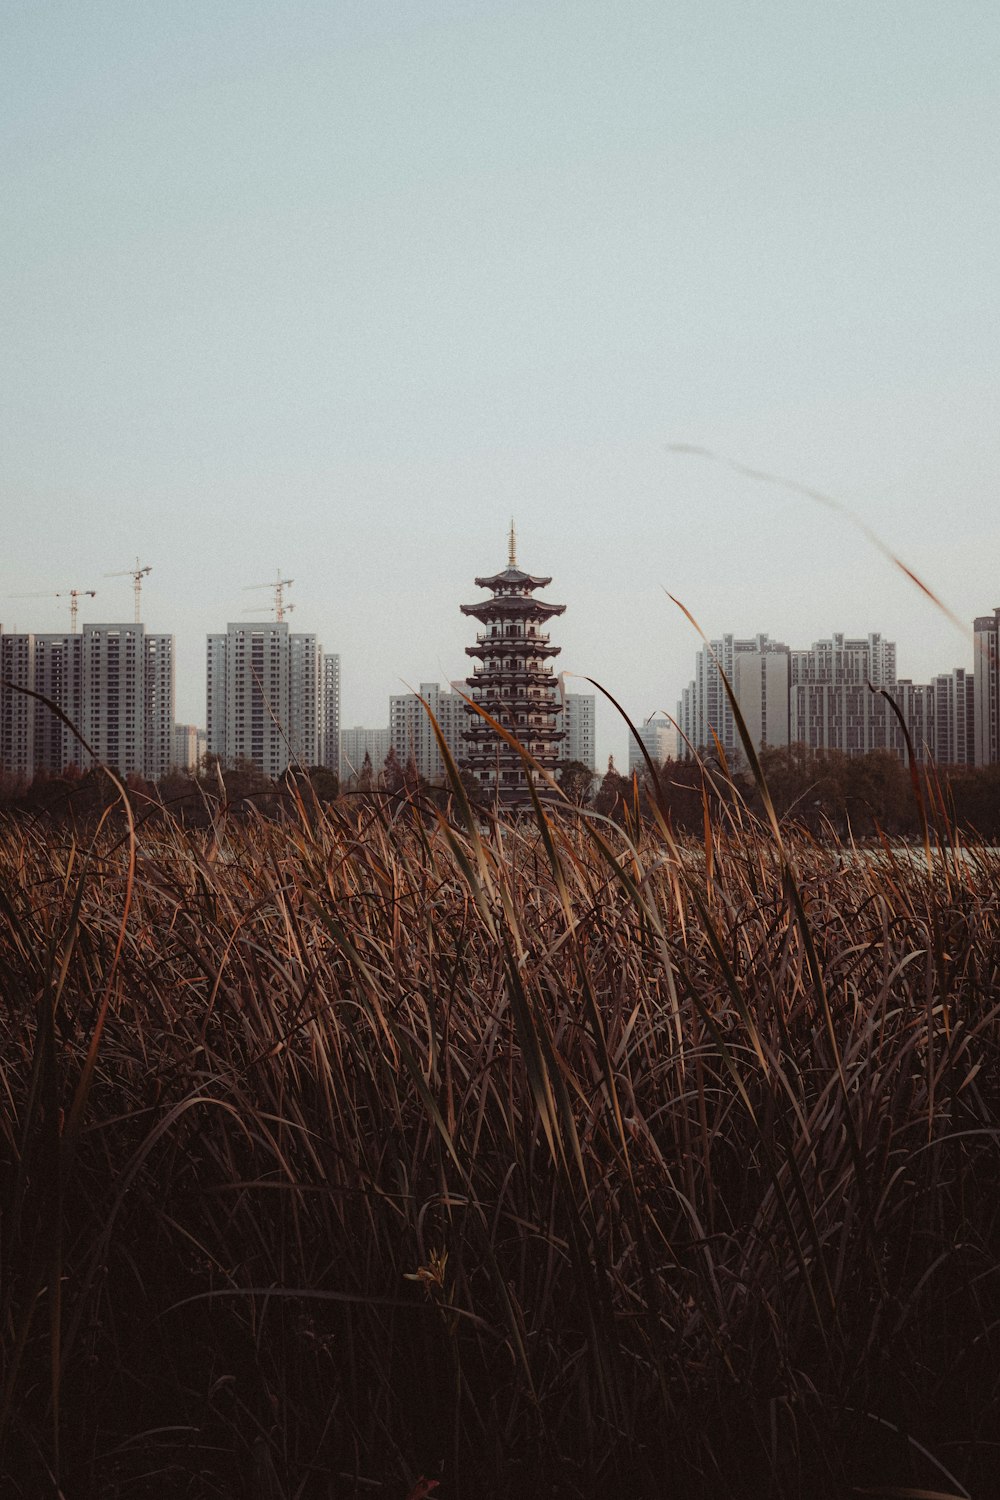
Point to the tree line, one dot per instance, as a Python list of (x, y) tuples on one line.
[(824, 791)]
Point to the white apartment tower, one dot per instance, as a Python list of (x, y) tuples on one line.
[(917, 702), (264, 696), (659, 737), (305, 699), (188, 747), (832, 705), (986, 691), (760, 684), (760, 687), (578, 721), (330, 746), (954, 718), (358, 742), (411, 733), (158, 716)]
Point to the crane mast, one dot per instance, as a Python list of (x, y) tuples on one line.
[(281, 609), (137, 574), (73, 595)]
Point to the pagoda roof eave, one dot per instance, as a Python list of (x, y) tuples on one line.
[(513, 576), (512, 606)]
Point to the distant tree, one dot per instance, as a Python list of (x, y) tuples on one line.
[(366, 776), (412, 779), (577, 781), (612, 794), (975, 796), (182, 795), (324, 782), (12, 787), (141, 793), (878, 794), (316, 782), (243, 781), (392, 773), (680, 794)]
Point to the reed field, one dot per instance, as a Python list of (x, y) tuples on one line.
[(381, 1143)]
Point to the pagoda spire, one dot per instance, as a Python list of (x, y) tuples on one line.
[(512, 546)]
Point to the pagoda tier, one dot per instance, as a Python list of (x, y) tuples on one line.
[(510, 607), (521, 718), (515, 685), (496, 645), (514, 580)]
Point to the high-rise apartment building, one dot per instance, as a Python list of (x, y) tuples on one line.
[(760, 687), (659, 737), (17, 710), (411, 732), (986, 691), (127, 697), (189, 745), (114, 682), (264, 696), (578, 721), (831, 704), (158, 709), (828, 698), (306, 702), (954, 717), (58, 668), (329, 755), (356, 743), (917, 702)]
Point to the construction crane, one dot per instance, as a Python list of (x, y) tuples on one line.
[(281, 609), (137, 574), (265, 609), (73, 595)]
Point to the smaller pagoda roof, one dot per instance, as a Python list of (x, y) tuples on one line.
[(511, 607), (512, 577)]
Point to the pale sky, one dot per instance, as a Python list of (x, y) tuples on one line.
[(338, 287)]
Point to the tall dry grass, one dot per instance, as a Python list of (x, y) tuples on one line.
[(540, 1158)]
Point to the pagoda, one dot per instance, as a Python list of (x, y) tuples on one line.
[(514, 683)]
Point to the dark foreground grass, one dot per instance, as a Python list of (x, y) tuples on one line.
[(538, 1161)]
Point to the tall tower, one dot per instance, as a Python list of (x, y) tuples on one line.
[(515, 683)]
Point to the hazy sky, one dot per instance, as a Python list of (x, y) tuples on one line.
[(339, 286)]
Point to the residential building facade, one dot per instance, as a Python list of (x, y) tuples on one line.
[(986, 690), (114, 682), (705, 713), (356, 743), (578, 721), (954, 717), (330, 744), (17, 710), (411, 731), (658, 737), (189, 746), (264, 696), (835, 696)]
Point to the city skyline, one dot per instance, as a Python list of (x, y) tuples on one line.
[(750, 663), (612, 736), (341, 290)]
